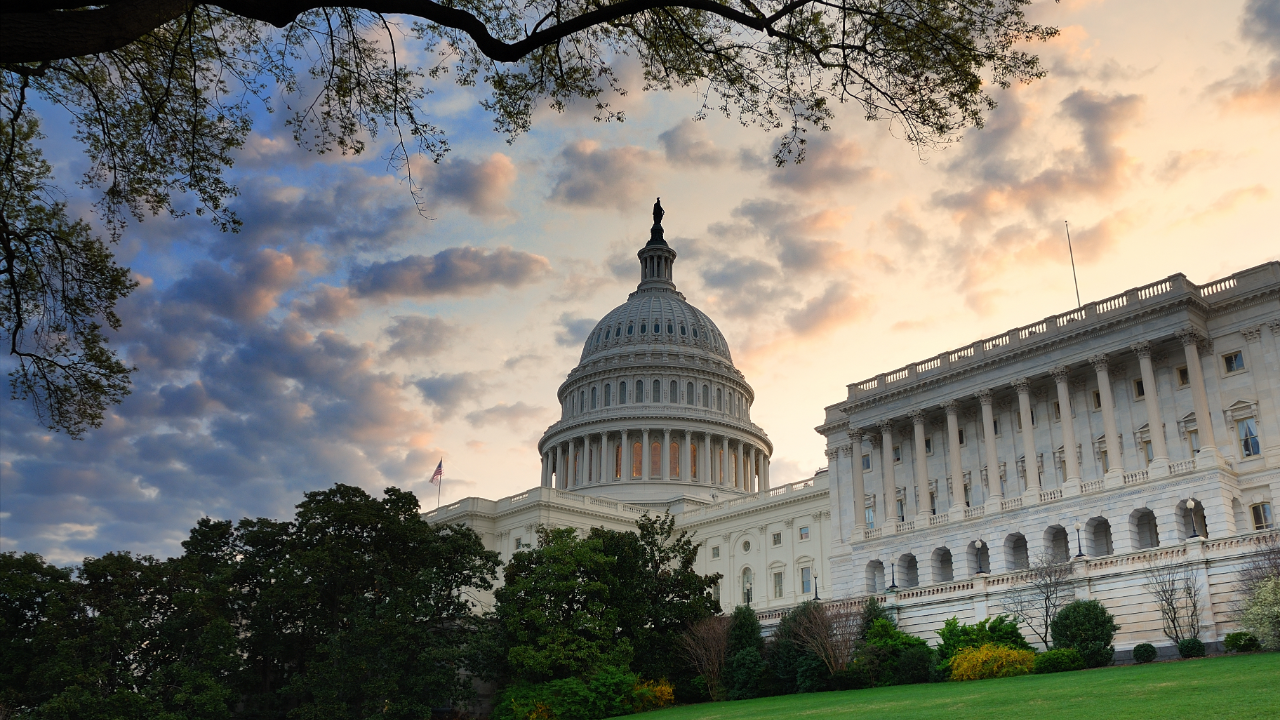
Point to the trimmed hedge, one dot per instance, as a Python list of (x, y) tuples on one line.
[(1058, 661), (1086, 626), (1191, 648), (1144, 653), (1241, 642), (991, 661)]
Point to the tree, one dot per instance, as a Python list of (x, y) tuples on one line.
[(1174, 588), (1045, 589), (745, 666), (705, 646), (1086, 627), (161, 92), (832, 632)]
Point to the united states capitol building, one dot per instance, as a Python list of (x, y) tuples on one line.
[(1137, 429)]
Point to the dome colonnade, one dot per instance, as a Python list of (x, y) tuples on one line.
[(655, 398)]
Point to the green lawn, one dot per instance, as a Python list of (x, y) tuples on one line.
[(1233, 686)]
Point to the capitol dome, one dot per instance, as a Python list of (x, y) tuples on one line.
[(655, 411)]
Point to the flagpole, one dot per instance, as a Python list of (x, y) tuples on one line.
[(439, 486)]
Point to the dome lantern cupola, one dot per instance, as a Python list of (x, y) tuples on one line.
[(656, 257)]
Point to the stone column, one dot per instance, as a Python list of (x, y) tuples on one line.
[(921, 488), (890, 479), (1191, 339), (725, 473), (686, 462), (739, 470), (559, 465), (752, 478), (605, 459), (1115, 460), (996, 493), (624, 437), (859, 488), (764, 472), (1072, 484), (666, 454), (645, 470), (1032, 493), (837, 496), (877, 442), (1159, 466), (953, 451)]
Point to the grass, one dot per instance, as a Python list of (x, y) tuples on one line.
[(1231, 686)]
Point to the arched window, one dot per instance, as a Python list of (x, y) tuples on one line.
[(639, 391), (617, 332), (582, 401), (683, 332), (655, 457), (706, 396), (593, 397), (608, 394), (617, 462), (675, 393), (689, 395), (695, 333), (671, 328), (720, 399), (637, 459), (657, 392), (747, 580), (630, 328), (644, 327), (622, 393), (693, 461), (674, 453)]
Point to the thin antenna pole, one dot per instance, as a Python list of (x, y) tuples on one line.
[(1072, 253)]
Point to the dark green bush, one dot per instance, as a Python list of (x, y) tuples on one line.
[(743, 674), (608, 693), (998, 630), (1086, 626), (1144, 653), (1241, 642), (915, 665), (1058, 661), (1191, 648)]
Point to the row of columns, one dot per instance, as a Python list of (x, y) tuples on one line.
[(586, 459), (1191, 340)]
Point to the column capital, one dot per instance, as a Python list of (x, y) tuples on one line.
[(833, 453), (855, 435), (1274, 326), (917, 417), (1060, 373), (886, 428), (1252, 334), (952, 407), (1099, 362), (984, 397), (1022, 385), (1142, 349), (1192, 335)]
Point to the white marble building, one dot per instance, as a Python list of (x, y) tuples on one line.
[(656, 418)]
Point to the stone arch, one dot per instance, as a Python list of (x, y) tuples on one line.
[(979, 557), (748, 585), (1142, 522), (875, 577), (1187, 520), (1016, 552), (908, 570), (1097, 536), (1057, 541), (942, 565)]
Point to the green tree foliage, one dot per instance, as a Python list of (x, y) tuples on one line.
[(1086, 627), (1055, 661), (998, 630), (160, 94), (1262, 613), (745, 668), (355, 608)]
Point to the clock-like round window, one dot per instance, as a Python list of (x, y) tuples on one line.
[(746, 546)]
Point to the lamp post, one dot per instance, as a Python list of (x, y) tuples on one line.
[(1191, 508), (1079, 547), (893, 578), (815, 588), (978, 552)]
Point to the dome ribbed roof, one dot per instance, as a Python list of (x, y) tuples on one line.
[(678, 325)]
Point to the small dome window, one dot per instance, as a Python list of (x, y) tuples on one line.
[(695, 333), (643, 328), (671, 329), (617, 332), (682, 330), (630, 329)]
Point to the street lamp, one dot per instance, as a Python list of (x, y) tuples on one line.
[(815, 588), (1191, 508), (978, 551), (1079, 547), (893, 578)]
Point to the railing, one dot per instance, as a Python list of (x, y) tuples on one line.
[(1091, 486), (1030, 330), (938, 519), (1048, 495), (905, 526), (1070, 317), (1133, 478), (868, 384), (897, 375), (1115, 303), (996, 342), (928, 365), (936, 590), (872, 533), (1011, 504), (974, 512), (1182, 466), (961, 354), (1211, 288), (1154, 289)]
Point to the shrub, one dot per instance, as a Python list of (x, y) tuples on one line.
[(1058, 661), (1262, 613), (1087, 627), (991, 661), (1191, 648), (652, 695), (997, 630), (1144, 653), (743, 674), (1241, 642), (915, 665), (608, 693)]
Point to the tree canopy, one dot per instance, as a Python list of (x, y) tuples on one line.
[(162, 92)]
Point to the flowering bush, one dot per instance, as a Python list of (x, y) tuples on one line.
[(991, 661), (653, 695), (1262, 615)]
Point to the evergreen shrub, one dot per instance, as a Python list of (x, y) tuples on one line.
[(1144, 653), (991, 661), (1087, 627), (610, 692), (1241, 642), (1191, 648), (1056, 661)]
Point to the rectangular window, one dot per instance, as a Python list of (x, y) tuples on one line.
[(777, 539), (1193, 439), (961, 431), (715, 551), (1233, 361), (1106, 464), (870, 515), (1262, 516), (902, 511), (928, 446), (1138, 390), (715, 592), (804, 533), (866, 462), (1248, 431), (519, 543), (1184, 377), (1057, 410), (777, 584), (1149, 453), (1017, 416), (968, 495), (995, 425), (897, 453), (806, 580), (933, 503), (1097, 400)]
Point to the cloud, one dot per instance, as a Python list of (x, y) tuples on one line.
[(1260, 23), (1252, 89), (1178, 164), (453, 271), (514, 416), (592, 177), (836, 306), (249, 290), (573, 329), (482, 188), (688, 144), (448, 391), (1226, 203), (326, 304), (830, 163), (418, 336)]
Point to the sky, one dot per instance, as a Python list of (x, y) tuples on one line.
[(345, 336)]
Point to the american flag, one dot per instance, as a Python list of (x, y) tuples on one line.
[(438, 475)]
